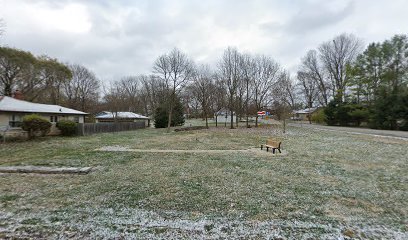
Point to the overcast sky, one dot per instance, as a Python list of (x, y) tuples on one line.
[(124, 37)]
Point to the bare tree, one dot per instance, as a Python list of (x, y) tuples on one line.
[(248, 71), (2, 26), (336, 55), (153, 92), (308, 88), (202, 88), (175, 69), (312, 68), (266, 76), (82, 89), (218, 97), (289, 89), (283, 97), (113, 99), (230, 73), (131, 88)]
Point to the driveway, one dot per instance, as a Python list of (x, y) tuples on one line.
[(366, 131)]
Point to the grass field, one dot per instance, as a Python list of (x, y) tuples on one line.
[(326, 185)]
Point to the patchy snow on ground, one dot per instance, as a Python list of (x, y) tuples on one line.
[(133, 223), (115, 148)]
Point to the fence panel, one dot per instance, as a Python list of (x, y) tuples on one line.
[(92, 128)]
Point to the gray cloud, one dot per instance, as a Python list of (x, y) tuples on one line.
[(311, 17), (119, 38), (317, 16)]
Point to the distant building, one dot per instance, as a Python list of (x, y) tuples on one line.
[(13, 110), (303, 115), (224, 115), (106, 116)]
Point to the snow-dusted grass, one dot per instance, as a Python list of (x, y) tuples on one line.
[(328, 185)]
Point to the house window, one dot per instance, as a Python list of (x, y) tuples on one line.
[(76, 119), (15, 120), (53, 119)]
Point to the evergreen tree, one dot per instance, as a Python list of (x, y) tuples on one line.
[(161, 118)]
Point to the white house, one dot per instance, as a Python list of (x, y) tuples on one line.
[(224, 115), (121, 117), (13, 110), (303, 114)]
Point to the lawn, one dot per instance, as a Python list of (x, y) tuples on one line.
[(326, 185)]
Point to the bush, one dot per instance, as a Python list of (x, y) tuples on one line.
[(67, 127), (319, 116), (359, 114), (35, 124), (330, 111), (345, 113), (390, 111)]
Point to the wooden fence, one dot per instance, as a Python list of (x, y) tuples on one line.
[(92, 128)]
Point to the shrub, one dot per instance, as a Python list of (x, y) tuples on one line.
[(319, 116), (35, 124), (67, 127), (390, 111), (358, 114), (330, 111)]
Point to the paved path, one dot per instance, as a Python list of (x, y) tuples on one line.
[(373, 132)]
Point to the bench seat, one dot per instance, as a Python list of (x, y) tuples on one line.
[(272, 144)]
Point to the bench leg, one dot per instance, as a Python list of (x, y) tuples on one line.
[(261, 147), (279, 150), (267, 149), (273, 150)]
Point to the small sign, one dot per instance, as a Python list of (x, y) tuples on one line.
[(261, 113)]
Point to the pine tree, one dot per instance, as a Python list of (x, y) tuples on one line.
[(161, 116)]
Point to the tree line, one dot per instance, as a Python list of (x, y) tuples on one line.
[(46, 80), (240, 83), (351, 85), (356, 85)]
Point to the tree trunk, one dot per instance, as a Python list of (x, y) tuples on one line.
[(170, 115), (246, 102), (256, 120), (232, 119), (206, 118), (7, 90)]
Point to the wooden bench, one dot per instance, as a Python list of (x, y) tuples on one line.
[(273, 144)]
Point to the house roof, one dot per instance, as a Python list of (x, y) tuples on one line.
[(305, 111), (9, 104), (123, 115), (222, 111)]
